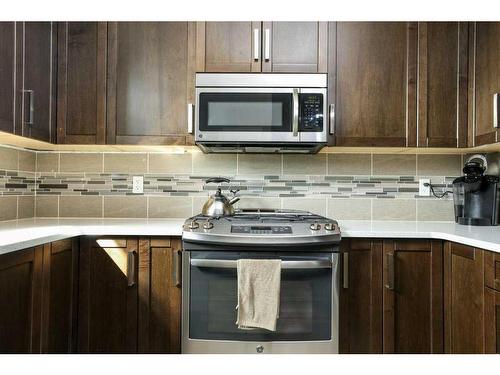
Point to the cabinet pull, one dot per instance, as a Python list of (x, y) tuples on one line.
[(267, 44), (131, 268), (177, 267), (496, 119), (345, 276), (295, 121), (390, 271), (190, 117), (331, 116), (256, 47), (31, 106)]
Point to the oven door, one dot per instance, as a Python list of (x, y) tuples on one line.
[(308, 321), (242, 114)]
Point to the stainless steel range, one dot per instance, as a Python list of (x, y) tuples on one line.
[(308, 246)]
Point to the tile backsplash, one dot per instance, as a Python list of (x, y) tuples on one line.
[(343, 186)]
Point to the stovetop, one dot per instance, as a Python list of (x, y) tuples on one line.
[(262, 227)]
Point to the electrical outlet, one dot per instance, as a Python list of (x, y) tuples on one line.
[(137, 184), (424, 191)]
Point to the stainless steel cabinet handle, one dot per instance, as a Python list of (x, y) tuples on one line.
[(256, 44), (190, 117), (390, 271), (31, 106), (286, 264), (345, 276), (295, 121), (496, 103), (331, 115), (177, 267), (267, 44), (131, 268)]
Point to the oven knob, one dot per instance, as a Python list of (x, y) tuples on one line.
[(315, 226), (329, 226), (259, 349), (193, 224), (208, 224)]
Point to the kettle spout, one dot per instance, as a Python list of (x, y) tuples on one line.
[(234, 200)]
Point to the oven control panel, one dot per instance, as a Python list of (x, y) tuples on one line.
[(311, 112), (261, 229)]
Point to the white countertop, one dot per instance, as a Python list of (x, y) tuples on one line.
[(21, 234)]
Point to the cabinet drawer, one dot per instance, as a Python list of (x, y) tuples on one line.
[(492, 270)]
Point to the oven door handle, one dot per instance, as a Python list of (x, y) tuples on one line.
[(286, 264)]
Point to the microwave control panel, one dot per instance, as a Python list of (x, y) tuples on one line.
[(311, 112)]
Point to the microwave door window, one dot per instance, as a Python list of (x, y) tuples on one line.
[(253, 112)]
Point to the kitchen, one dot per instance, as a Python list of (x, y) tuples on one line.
[(263, 187)]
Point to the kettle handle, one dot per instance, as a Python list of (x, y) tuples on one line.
[(217, 180)]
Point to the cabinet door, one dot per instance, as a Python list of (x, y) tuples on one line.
[(159, 295), (20, 301), (81, 96), (228, 47), (413, 302), (60, 295), (464, 299), (9, 112), (492, 270), (294, 47), (39, 112), (442, 79), (485, 56), (361, 297), (107, 319), (372, 86), (149, 82), (492, 321)]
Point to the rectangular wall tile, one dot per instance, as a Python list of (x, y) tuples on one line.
[(125, 206), (126, 162), (258, 202), (315, 205), (304, 164), (170, 163), (80, 206), (394, 209), (81, 162), (259, 164), (349, 209), (47, 162), (8, 158), (349, 164), (166, 207), (25, 206), (8, 208), (435, 210), (439, 165), (47, 206), (394, 165), (214, 164), (27, 161)]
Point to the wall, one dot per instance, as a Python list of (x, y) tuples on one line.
[(17, 183), (342, 186)]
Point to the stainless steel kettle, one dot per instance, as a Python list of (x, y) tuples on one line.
[(218, 204)]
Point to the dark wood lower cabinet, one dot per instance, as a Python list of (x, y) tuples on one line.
[(492, 321), (361, 297)]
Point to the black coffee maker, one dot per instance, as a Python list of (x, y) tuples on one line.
[(476, 195)]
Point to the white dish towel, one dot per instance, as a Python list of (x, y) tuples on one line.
[(258, 293)]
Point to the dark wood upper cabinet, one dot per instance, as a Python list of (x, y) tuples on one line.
[(294, 47), (8, 62), (20, 301), (39, 77), (485, 70), (464, 299), (81, 95), (361, 297), (413, 296), (108, 303), (150, 81), (372, 83), (442, 84)]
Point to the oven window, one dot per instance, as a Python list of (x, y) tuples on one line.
[(245, 112), (305, 302)]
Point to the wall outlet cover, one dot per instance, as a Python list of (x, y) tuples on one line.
[(137, 184), (424, 191)]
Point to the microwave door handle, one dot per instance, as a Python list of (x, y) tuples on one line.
[(286, 264), (295, 119)]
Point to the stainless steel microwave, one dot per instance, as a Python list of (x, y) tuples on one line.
[(261, 112)]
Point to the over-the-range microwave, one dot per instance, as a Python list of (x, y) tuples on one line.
[(259, 113)]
